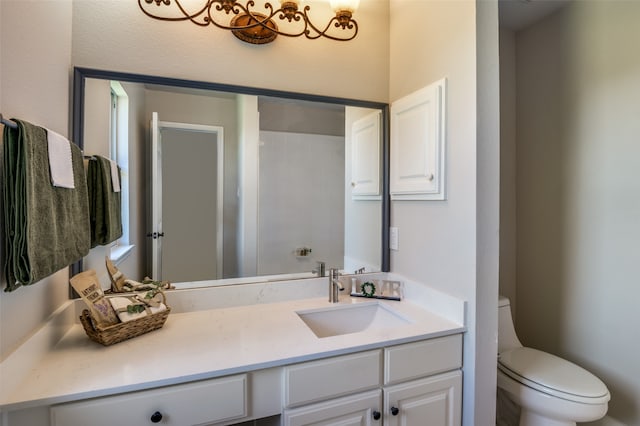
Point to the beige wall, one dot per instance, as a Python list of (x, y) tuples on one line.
[(35, 59), (357, 69), (578, 193), (437, 239)]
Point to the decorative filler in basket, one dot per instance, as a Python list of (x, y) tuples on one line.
[(121, 284), (113, 319)]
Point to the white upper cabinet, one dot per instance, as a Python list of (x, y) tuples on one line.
[(418, 144), (365, 157)]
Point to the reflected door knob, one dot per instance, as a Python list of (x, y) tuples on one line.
[(376, 415), (156, 417), (394, 411)]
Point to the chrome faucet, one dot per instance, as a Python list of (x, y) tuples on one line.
[(334, 285)]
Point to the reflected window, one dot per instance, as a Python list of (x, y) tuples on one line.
[(119, 151)]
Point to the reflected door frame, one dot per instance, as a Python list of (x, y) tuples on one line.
[(157, 127)]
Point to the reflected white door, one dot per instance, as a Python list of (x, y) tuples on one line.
[(156, 199), (187, 170)]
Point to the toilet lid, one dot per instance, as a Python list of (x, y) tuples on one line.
[(552, 375)]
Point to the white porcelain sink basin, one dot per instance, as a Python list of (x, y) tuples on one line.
[(346, 319)]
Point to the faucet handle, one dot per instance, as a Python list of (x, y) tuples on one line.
[(320, 270)]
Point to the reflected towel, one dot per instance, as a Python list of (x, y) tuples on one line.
[(115, 176), (104, 204), (60, 165), (120, 304), (46, 227)]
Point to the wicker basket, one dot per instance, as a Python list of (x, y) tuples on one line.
[(108, 335)]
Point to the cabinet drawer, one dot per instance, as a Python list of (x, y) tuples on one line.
[(329, 378), (195, 403), (419, 359)]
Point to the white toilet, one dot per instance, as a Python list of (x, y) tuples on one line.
[(550, 391)]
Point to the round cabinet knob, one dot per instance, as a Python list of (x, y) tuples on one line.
[(394, 411), (156, 417), (376, 415)]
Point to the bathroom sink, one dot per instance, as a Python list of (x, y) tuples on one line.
[(346, 319)]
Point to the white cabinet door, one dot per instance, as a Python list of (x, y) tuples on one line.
[(357, 410), (365, 157), (418, 144), (434, 401)]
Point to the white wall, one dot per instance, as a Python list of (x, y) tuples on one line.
[(134, 265), (578, 192), (508, 166), (35, 55), (248, 160), (306, 212), (437, 239), (487, 212)]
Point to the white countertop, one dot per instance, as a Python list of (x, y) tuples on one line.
[(204, 344)]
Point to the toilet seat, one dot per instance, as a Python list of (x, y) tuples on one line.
[(552, 375)]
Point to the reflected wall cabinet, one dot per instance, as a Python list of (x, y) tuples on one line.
[(418, 144), (365, 157)]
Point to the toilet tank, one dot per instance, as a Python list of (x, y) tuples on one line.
[(507, 338)]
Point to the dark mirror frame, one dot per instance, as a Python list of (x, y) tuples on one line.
[(81, 74)]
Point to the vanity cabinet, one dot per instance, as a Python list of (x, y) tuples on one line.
[(407, 384)]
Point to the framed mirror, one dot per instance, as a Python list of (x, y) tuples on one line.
[(228, 184)]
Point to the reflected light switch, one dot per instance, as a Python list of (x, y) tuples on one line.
[(393, 238)]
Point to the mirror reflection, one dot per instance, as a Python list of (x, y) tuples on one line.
[(221, 187)]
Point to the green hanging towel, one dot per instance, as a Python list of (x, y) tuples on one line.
[(104, 202), (46, 227)]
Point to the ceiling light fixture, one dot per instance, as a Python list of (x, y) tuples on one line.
[(260, 27)]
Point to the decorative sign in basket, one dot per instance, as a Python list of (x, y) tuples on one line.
[(108, 335)]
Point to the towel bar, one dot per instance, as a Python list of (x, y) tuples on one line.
[(8, 123)]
